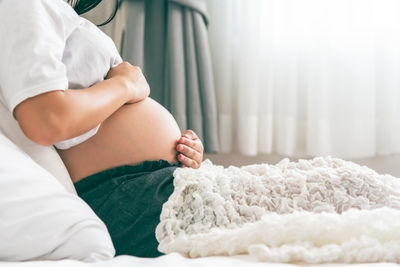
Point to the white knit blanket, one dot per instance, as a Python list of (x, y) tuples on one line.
[(314, 211)]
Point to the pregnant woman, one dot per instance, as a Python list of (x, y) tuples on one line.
[(66, 85)]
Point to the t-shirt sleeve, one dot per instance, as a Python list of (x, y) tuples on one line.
[(33, 34), (117, 59)]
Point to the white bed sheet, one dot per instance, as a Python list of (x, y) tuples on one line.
[(175, 260)]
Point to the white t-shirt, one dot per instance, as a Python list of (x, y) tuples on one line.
[(46, 46)]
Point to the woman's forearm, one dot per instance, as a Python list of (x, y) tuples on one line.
[(59, 115)]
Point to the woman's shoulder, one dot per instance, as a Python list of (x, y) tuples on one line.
[(35, 33), (35, 5), (34, 12), (27, 4)]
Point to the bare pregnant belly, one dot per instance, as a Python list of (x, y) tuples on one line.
[(133, 134)]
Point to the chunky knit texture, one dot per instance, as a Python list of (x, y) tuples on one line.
[(314, 211)]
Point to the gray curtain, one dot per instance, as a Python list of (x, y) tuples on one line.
[(169, 41)]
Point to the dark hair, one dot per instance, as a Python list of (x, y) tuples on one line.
[(83, 6)]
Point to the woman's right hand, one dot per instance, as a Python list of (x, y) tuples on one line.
[(134, 80)]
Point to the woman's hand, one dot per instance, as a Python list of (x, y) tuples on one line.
[(190, 150), (133, 78)]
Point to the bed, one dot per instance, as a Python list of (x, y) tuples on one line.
[(175, 260), (43, 220)]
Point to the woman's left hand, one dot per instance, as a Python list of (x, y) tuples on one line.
[(190, 150)]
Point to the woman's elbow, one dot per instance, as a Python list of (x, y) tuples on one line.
[(42, 133), (43, 128)]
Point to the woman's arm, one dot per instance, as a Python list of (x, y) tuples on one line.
[(59, 115)]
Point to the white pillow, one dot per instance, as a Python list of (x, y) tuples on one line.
[(47, 157), (39, 219)]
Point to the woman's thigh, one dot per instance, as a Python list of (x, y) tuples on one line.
[(129, 200), (133, 134)]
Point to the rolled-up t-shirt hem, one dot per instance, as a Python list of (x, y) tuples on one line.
[(77, 140)]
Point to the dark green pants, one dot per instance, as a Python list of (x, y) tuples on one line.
[(128, 199)]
